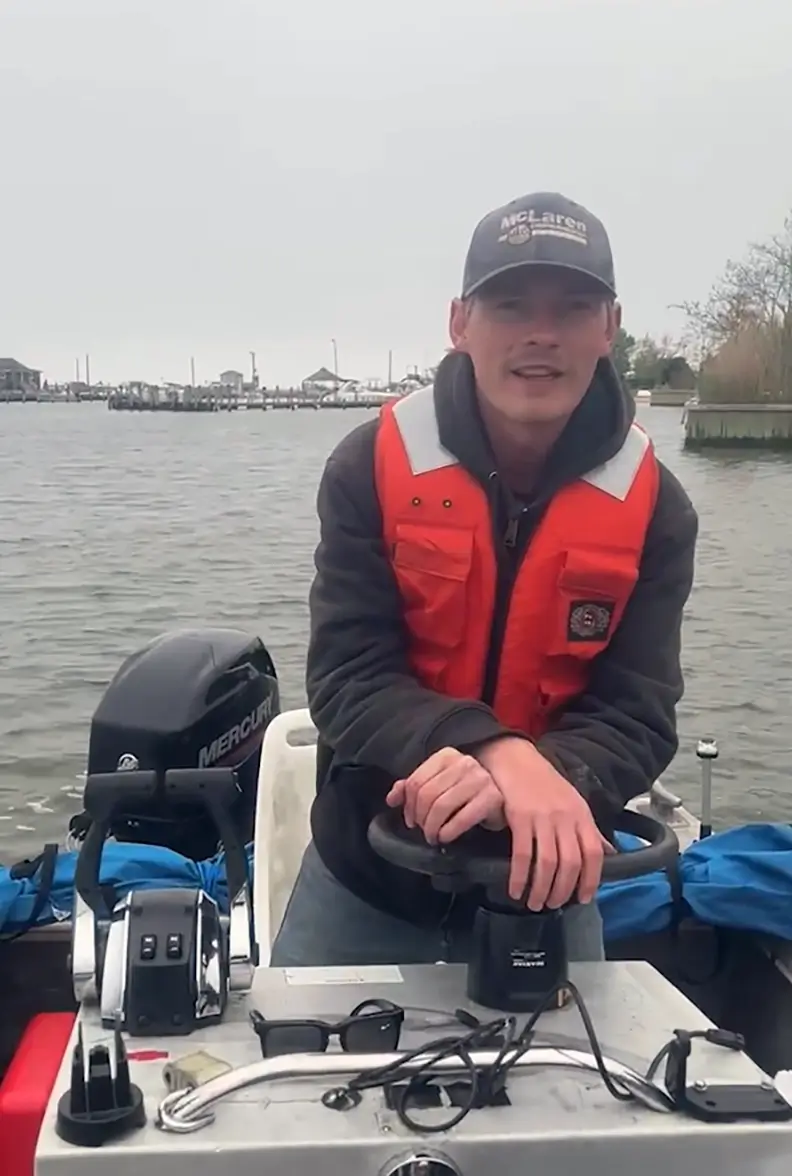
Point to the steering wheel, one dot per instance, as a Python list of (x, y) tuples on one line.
[(481, 858)]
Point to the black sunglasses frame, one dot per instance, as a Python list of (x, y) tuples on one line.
[(384, 1015)]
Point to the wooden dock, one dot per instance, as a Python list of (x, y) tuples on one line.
[(301, 400), (290, 400), (738, 426)]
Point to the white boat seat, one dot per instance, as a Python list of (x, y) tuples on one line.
[(286, 788)]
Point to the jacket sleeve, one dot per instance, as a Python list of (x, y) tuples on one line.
[(621, 734), (366, 704)]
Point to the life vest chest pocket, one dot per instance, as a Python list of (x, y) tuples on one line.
[(592, 590), (432, 565)]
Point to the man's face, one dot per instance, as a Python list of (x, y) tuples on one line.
[(534, 337)]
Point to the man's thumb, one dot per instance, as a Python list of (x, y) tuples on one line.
[(396, 795)]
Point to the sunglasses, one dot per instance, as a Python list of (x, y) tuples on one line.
[(375, 1031)]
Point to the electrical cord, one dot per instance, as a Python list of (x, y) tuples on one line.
[(484, 1082), (182, 1112), (722, 1037), (485, 1056)]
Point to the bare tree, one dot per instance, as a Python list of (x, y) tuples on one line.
[(743, 330)]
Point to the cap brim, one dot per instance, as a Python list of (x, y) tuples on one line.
[(537, 264)]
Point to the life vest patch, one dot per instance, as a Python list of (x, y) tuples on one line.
[(590, 620)]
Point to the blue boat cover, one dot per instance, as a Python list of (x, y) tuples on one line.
[(741, 878)]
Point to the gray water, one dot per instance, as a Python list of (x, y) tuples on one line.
[(117, 526)]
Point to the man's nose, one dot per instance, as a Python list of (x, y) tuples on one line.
[(540, 328)]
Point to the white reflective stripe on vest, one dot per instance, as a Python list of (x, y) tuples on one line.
[(417, 422), (617, 475)]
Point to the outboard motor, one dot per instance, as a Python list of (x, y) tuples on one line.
[(199, 698), (173, 761)]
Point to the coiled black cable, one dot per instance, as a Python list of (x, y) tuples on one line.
[(715, 1036), (485, 1081)]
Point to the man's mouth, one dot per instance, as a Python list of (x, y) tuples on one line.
[(537, 371)]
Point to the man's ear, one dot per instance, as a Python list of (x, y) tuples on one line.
[(613, 311), (457, 323)]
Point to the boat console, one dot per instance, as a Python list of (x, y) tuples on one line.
[(553, 1114), (518, 1061)]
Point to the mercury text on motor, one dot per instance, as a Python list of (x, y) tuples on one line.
[(225, 743)]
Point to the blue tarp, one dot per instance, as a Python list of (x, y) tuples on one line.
[(124, 866), (741, 878)]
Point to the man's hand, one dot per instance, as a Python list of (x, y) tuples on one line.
[(447, 795), (551, 827)]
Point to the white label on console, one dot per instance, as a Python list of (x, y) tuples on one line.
[(385, 974)]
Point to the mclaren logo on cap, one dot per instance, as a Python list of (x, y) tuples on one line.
[(519, 227)]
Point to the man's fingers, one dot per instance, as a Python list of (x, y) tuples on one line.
[(399, 797), (396, 795), (593, 854), (438, 763), (446, 793), (522, 855), (545, 863), (432, 766), (473, 813), (570, 862), (607, 847), (563, 861)]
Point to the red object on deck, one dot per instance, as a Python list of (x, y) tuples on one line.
[(26, 1088)]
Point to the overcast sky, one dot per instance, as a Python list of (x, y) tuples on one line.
[(197, 177)]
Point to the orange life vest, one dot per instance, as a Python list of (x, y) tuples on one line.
[(570, 591)]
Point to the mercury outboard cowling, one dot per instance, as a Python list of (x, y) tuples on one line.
[(199, 698)]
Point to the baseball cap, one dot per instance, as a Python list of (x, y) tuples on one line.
[(543, 228)]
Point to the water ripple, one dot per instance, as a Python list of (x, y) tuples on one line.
[(117, 526)]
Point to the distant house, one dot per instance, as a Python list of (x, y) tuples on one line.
[(232, 379), (322, 381), (16, 378)]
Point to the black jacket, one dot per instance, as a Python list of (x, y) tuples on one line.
[(376, 723)]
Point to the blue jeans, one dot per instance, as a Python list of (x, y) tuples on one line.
[(325, 925)]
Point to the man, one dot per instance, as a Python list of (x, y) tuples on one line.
[(496, 613)]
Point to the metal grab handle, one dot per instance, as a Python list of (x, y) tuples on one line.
[(105, 793), (217, 789), (183, 1112)]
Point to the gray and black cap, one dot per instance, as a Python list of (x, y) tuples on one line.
[(544, 228)]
